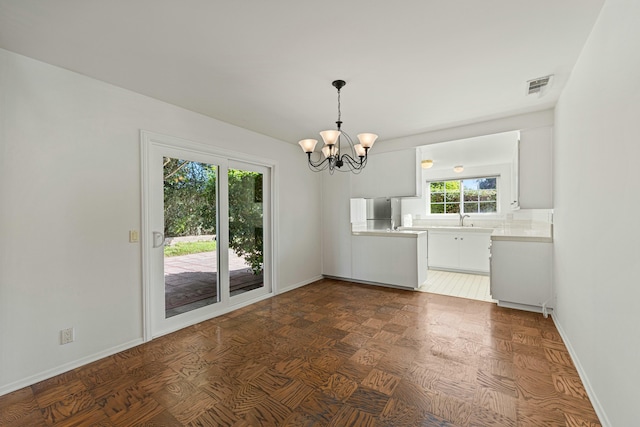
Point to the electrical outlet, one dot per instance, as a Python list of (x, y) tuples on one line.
[(67, 336)]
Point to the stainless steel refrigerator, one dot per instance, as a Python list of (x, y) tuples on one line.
[(383, 213)]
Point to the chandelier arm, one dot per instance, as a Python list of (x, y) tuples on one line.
[(353, 163), (352, 155), (352, 168), (319, 165), (317, 169), (346, 135)]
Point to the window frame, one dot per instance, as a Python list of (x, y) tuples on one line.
[(461, 201)]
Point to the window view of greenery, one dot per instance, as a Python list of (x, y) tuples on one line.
[(190, 209), (246, 235), (474, 195), (189, 198)]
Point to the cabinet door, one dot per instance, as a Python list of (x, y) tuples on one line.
[(443, 250), (358, 211), (515, 179), (536, 164), (388, 260), (474, 252), (521, 272)]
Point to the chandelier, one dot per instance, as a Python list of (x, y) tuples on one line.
[(339, 150)]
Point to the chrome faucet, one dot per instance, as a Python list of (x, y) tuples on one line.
[(462, 217)]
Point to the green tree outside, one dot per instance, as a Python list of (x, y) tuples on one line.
[(190, 194)]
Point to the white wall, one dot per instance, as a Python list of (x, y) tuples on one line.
[(383, 178), (69, 193), (489, 127), (597, 257), (336, 263)]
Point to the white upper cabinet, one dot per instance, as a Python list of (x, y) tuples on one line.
[(358, 211), (514, 200), (536, 168), (392, 174)]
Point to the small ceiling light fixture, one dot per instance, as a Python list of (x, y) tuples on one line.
[(353, 157), (458, 168), (426, 164)]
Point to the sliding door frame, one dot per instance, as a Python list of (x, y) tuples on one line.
[(149, 143)]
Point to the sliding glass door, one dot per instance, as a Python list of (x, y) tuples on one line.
[(249, 198), (190, 230), (206, 234)]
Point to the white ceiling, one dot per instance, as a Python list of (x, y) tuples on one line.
[(411, 66)]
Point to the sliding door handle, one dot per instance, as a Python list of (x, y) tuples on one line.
[(158, 239)]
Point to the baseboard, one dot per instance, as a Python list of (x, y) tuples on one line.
[(299, 284), (456, 270), (604, 420), (524, 307), (366, 282), (41, 376)]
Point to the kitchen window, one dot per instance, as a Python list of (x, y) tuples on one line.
[(471, 195)]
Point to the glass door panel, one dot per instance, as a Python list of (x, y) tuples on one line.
[(246, 230), (206, 232), (191, 274)]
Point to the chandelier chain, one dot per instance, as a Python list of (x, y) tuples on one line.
[(339, 112)]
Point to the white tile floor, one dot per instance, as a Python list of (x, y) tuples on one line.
[(471, 286)]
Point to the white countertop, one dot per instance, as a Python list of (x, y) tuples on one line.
[(499, 233), (383, 233), (469, 229), (523, 234)]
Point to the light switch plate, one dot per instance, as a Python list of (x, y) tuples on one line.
[(133, 236)]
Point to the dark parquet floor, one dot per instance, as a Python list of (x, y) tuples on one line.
[(329, 354)]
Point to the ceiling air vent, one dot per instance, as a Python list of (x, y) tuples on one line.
[(539, 85)]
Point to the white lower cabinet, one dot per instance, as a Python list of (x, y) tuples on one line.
[(397, 261), (521, 274), (460, 251), (444, 250)]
